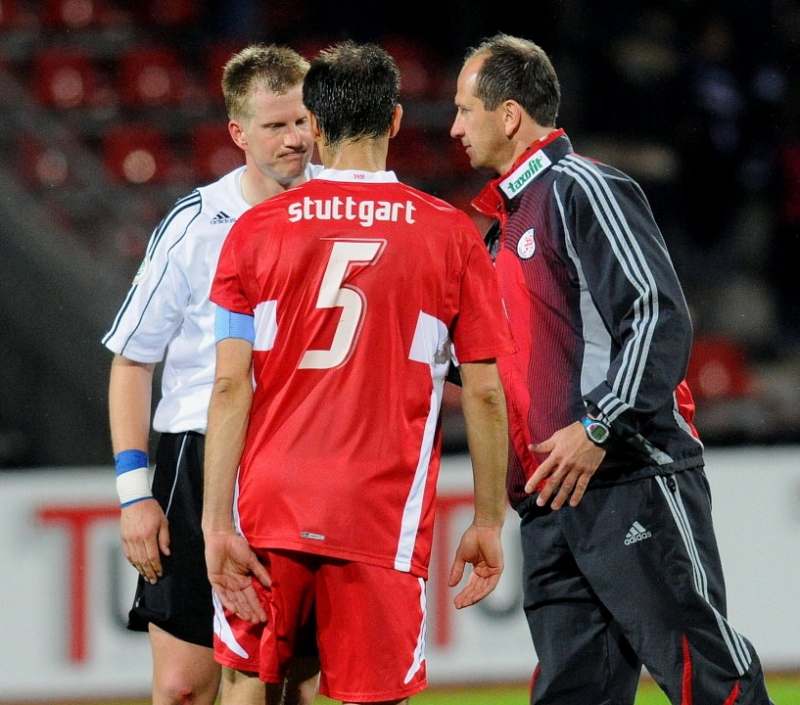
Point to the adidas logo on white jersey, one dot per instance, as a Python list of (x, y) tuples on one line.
[(637, 533), (222, 217)]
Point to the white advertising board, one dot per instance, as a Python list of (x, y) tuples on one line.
[(66, 587)]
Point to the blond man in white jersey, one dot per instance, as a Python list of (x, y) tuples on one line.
[(167, 316)]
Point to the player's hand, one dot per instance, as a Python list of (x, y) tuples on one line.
[(571, 462), (481, 547), (232, 565), (145, 536)]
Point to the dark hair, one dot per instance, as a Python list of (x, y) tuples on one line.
[(352, 89), (517, 69), (276, 68)]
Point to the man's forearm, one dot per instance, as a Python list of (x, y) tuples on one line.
[(130, 391), (484, 407), (228, 418)]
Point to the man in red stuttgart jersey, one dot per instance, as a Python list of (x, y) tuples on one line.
[(345, 300)]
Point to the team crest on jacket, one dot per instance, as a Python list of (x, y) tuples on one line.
[(526, 245)]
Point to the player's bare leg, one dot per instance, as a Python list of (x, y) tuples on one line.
[(183, 673), (244, 688), (240, 688)]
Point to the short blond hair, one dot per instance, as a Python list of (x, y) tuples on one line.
[(276, 68)]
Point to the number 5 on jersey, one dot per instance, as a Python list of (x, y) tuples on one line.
[(352, 301)]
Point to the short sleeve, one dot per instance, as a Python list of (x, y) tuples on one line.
[(227, 289), (481, 331)]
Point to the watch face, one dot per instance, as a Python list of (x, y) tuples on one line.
[(596, 431)]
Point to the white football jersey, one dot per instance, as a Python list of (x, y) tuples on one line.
[(167, 310)]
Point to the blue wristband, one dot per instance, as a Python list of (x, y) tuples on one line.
[(128, 460), (133, 477)]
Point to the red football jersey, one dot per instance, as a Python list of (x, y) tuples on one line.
[(362, 289)]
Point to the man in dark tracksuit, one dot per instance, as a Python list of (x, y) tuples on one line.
[(621, 566)]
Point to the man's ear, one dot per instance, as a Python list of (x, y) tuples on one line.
[(512, 117), (314, 125), (237, 134), (397, 117)]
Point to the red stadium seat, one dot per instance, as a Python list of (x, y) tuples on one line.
[(213, 152), (72, 14), (151, 77), (427, 153), (418, 67), (411, 153), (41, 164), (9, 13), (718, 369), (171, 13), (64, 78), (137, 154)]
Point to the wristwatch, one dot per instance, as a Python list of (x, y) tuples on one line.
[(597, 432)]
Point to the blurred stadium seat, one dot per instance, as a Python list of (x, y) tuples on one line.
[(72, 14), (718, 369), (428, 154), (42, 165), (410, 153), (137, 153), (213, 151), (8, 13), (151, 77), (64, 78), (418, 67), (170, 13)]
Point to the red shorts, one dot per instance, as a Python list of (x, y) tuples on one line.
[(369, 623), (238, 642)]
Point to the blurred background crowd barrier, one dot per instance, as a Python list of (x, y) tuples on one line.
[(111, 109)]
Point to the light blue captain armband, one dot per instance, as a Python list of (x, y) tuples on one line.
[(229, 324), (133, 477)]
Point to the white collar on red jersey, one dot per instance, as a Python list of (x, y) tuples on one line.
[(357, 175)]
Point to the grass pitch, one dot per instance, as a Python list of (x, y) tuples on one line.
[(783, 688)]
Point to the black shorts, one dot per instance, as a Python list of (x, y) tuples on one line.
[(180, 602)]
